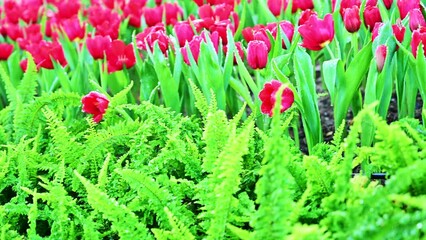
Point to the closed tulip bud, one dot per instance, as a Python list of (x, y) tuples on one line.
[(405, 6), (98, 45), (277, 6), (257, 54), (371, 16), (302, 5), (184, 32), (317, 33), (351, 19), (380, 56), (416, 19), (398, 31), (419, 36)]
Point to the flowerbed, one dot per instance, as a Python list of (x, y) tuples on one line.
[(86, 152)]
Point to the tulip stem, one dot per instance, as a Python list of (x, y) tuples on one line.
[(355, 43), (330, 51)]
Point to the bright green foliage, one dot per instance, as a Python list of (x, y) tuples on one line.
[(146, 172)]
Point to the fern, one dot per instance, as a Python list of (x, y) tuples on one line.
[(179, 230), (123, 220), (28, 85)]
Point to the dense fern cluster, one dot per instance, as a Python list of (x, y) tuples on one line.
[(148, 173)]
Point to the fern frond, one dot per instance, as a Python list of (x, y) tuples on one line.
[(103, 174), (200, 100), (28, 85), (179, 230), (226, 180), (11, 91), (159, 197), (123, 220)]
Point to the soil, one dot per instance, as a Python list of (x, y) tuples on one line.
[(327, 119)]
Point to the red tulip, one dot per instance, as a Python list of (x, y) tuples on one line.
[(248, 32), (375, 31), (43, 53), (317, 33), (223, 11), (13, 31), (405, 6), (305, 16), (371, 16), (150, 36), (287, 28), (119, 55), (398, 31), (95, 103), (205, 11), (173, 13), (153, 16), (302, 5), (184, 32), (380, 56), (98, 45), (31, 34), (73, 28), (239, 51), (268, 97), (349, 4), (221, 29), (351, 19), (257, 54), (277, 6), (5, 50), (261, 35), (67, 9), (134, 10), (416, 19), (388, 3), (24, 65), (419, 35), (194, 47)]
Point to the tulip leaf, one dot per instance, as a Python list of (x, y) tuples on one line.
[(348, 85), (333, 70), (304, 72)]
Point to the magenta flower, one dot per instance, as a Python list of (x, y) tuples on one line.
[(95, 103), (317, 33), (268, 97), (257, 54)]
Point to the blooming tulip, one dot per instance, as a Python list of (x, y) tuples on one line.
[(317, 33), (380, 56), (95, 103), (257, 54), (119, 55), (268, 97), (43, 53), (5, 50), (194, 47), (419, 36), (371, 16)]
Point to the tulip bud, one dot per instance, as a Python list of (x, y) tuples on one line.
[(419, 35), (257, 54), (351, 19), (388, 3), (5, 50), (380, 55), (184, 33), (371, 16)]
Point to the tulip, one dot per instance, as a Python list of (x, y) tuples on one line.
[(5, 50), (173, 13), (248, 32), (351, 19), (380, 56), (67, 9), (398, 31), (184, 32), (119, 55), (221, 29), (277, 6), (371, 16), (416, 19), (73, 28), (268, 97), (205, 11), (317, 33), (257, 54), (305, 16), (194, 47), (287, 28), (239, 51), (98, 45), (134, 10), (261, 35), (95, 103), (388, 3), (375, 31), (419, 36), (223, 11), (302, 5), (43, 53), (349, 4), (405, 6), (153, 16)]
